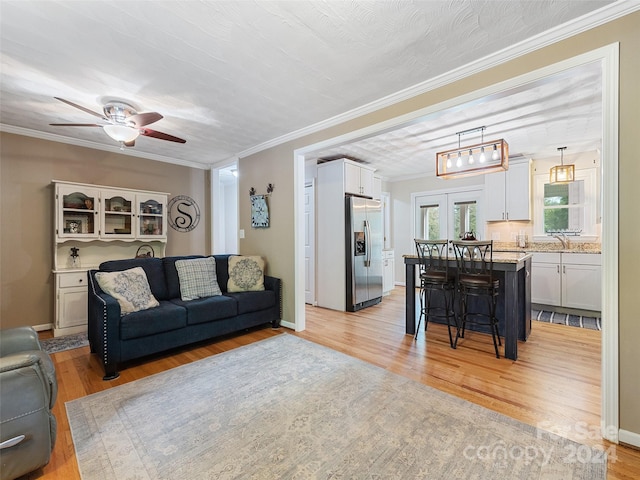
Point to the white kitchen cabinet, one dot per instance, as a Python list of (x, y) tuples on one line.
[(71, 303), (582, 281), (358, 179), (508, 193), (388, 265), (571, 280), (377, 188), (546, 279)]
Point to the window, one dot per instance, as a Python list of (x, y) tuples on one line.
[(430, 215), (464, 218), (564, 207), (570, 207)]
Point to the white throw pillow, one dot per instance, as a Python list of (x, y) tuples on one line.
[(129, 287), (246, 274), (198, 278)]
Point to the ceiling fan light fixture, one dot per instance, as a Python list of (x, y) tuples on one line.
[(121, 133)]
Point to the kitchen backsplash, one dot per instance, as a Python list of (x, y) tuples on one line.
[(505, 238)]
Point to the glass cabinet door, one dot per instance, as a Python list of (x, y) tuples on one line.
[(77, 211), (152, 216), (117, 214)]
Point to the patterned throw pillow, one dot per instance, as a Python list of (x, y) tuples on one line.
[(129, 287), (197, 278), (246, 274)]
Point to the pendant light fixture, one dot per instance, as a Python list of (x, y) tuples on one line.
[(483, 157), (562, 173)]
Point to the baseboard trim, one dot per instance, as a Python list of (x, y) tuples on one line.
[(43, 327), (629, 438), (289, 325)]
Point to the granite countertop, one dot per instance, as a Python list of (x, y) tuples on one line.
[(550, 247), (498, 257), (510, 257)]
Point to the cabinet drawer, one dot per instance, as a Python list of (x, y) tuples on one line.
[(546, 257), (75, 279), (581, 258)]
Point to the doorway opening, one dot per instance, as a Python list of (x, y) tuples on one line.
[(607, 57)]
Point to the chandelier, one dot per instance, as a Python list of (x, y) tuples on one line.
[(562, 173), (483, 157)]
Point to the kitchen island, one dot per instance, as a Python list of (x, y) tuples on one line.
[(514, 298)]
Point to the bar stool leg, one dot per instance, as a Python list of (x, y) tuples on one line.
[(448, 303), (422, 312)]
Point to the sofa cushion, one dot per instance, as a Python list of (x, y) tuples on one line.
[(167, 316), (171, 274), (246, 274), (208, 309), (197, 278), (152, 267), (129, 287), (254, 301)]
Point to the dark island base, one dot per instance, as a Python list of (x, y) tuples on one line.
[(513, 309)]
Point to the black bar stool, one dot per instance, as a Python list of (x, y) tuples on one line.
[(474, 278), (435, 276)]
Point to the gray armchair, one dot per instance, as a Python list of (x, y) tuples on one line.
[(28, 390)]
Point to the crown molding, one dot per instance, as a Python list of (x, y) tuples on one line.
[(576, 26), (97, 146)]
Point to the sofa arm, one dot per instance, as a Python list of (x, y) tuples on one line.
[(33, 363), (13, 340), (103, 326), (275, 284)]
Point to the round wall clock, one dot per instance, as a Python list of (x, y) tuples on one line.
[(184, 213)]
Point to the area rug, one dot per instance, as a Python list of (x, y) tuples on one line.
[(591, 323), (67, 342), (286, 408)]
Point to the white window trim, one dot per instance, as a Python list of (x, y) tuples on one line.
[(590, 234)]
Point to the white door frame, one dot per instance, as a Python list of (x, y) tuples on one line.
[(608, 56), (310, 235)]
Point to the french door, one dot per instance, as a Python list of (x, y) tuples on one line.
[(448, 215)]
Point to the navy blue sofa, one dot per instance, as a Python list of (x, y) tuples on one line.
[(174, 323)]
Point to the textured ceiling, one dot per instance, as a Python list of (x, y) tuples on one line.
[(231, 75), (535, 119)]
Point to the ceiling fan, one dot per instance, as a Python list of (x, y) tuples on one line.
[(125, 123)]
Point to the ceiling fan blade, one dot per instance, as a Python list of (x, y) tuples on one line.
[(90, 112), (147, 132), (75, 125), (141, 119)]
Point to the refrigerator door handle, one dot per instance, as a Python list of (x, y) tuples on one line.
[(367, 228)]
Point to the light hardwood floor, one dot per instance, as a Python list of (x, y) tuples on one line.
[(555, 383)]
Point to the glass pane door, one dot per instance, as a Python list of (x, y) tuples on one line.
[(431, 217), (449, 215), (465, 215)]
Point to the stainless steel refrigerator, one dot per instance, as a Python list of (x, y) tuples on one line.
[(364, 252)]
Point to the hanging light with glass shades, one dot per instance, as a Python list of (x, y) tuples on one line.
[(562, 173), (483, 157)]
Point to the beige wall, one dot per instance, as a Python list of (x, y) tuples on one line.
[(279, 244), (27, 166)]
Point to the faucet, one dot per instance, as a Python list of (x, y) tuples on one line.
[(563, 240)]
